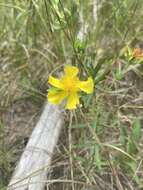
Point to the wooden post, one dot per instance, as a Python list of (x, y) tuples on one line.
[(32, 169)]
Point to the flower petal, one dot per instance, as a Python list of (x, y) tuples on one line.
[(86, 86), (56, 97), (71, 71), (73, 101), (55, 82)]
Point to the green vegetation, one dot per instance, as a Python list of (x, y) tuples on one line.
[(102, 146)]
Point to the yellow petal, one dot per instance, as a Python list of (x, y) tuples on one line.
[(86, 86), (55, 82), (71, 71), (56, 97), (73, 101)]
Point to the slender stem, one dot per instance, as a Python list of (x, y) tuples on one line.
[(70, 149)]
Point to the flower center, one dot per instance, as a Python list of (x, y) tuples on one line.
[(70, 84)]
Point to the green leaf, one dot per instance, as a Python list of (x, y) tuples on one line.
[(133, 141), (94, 126), (136, 131), (123, 136), (25, 82), (118, 74), (77, 126), (79, 45), (131, 147), (99, 65), (87, 100), (98, 161)]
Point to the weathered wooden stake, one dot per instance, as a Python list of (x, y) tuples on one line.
[(32, 169)]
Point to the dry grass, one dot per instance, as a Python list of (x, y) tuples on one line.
[(101, 145)]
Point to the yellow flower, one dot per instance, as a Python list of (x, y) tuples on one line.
[(68, 86), (138, 53)]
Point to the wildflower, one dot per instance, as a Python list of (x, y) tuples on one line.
[(68, 86), (137, 53)]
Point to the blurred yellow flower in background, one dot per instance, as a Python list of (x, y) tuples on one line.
[(137, 53), (68, 86)]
